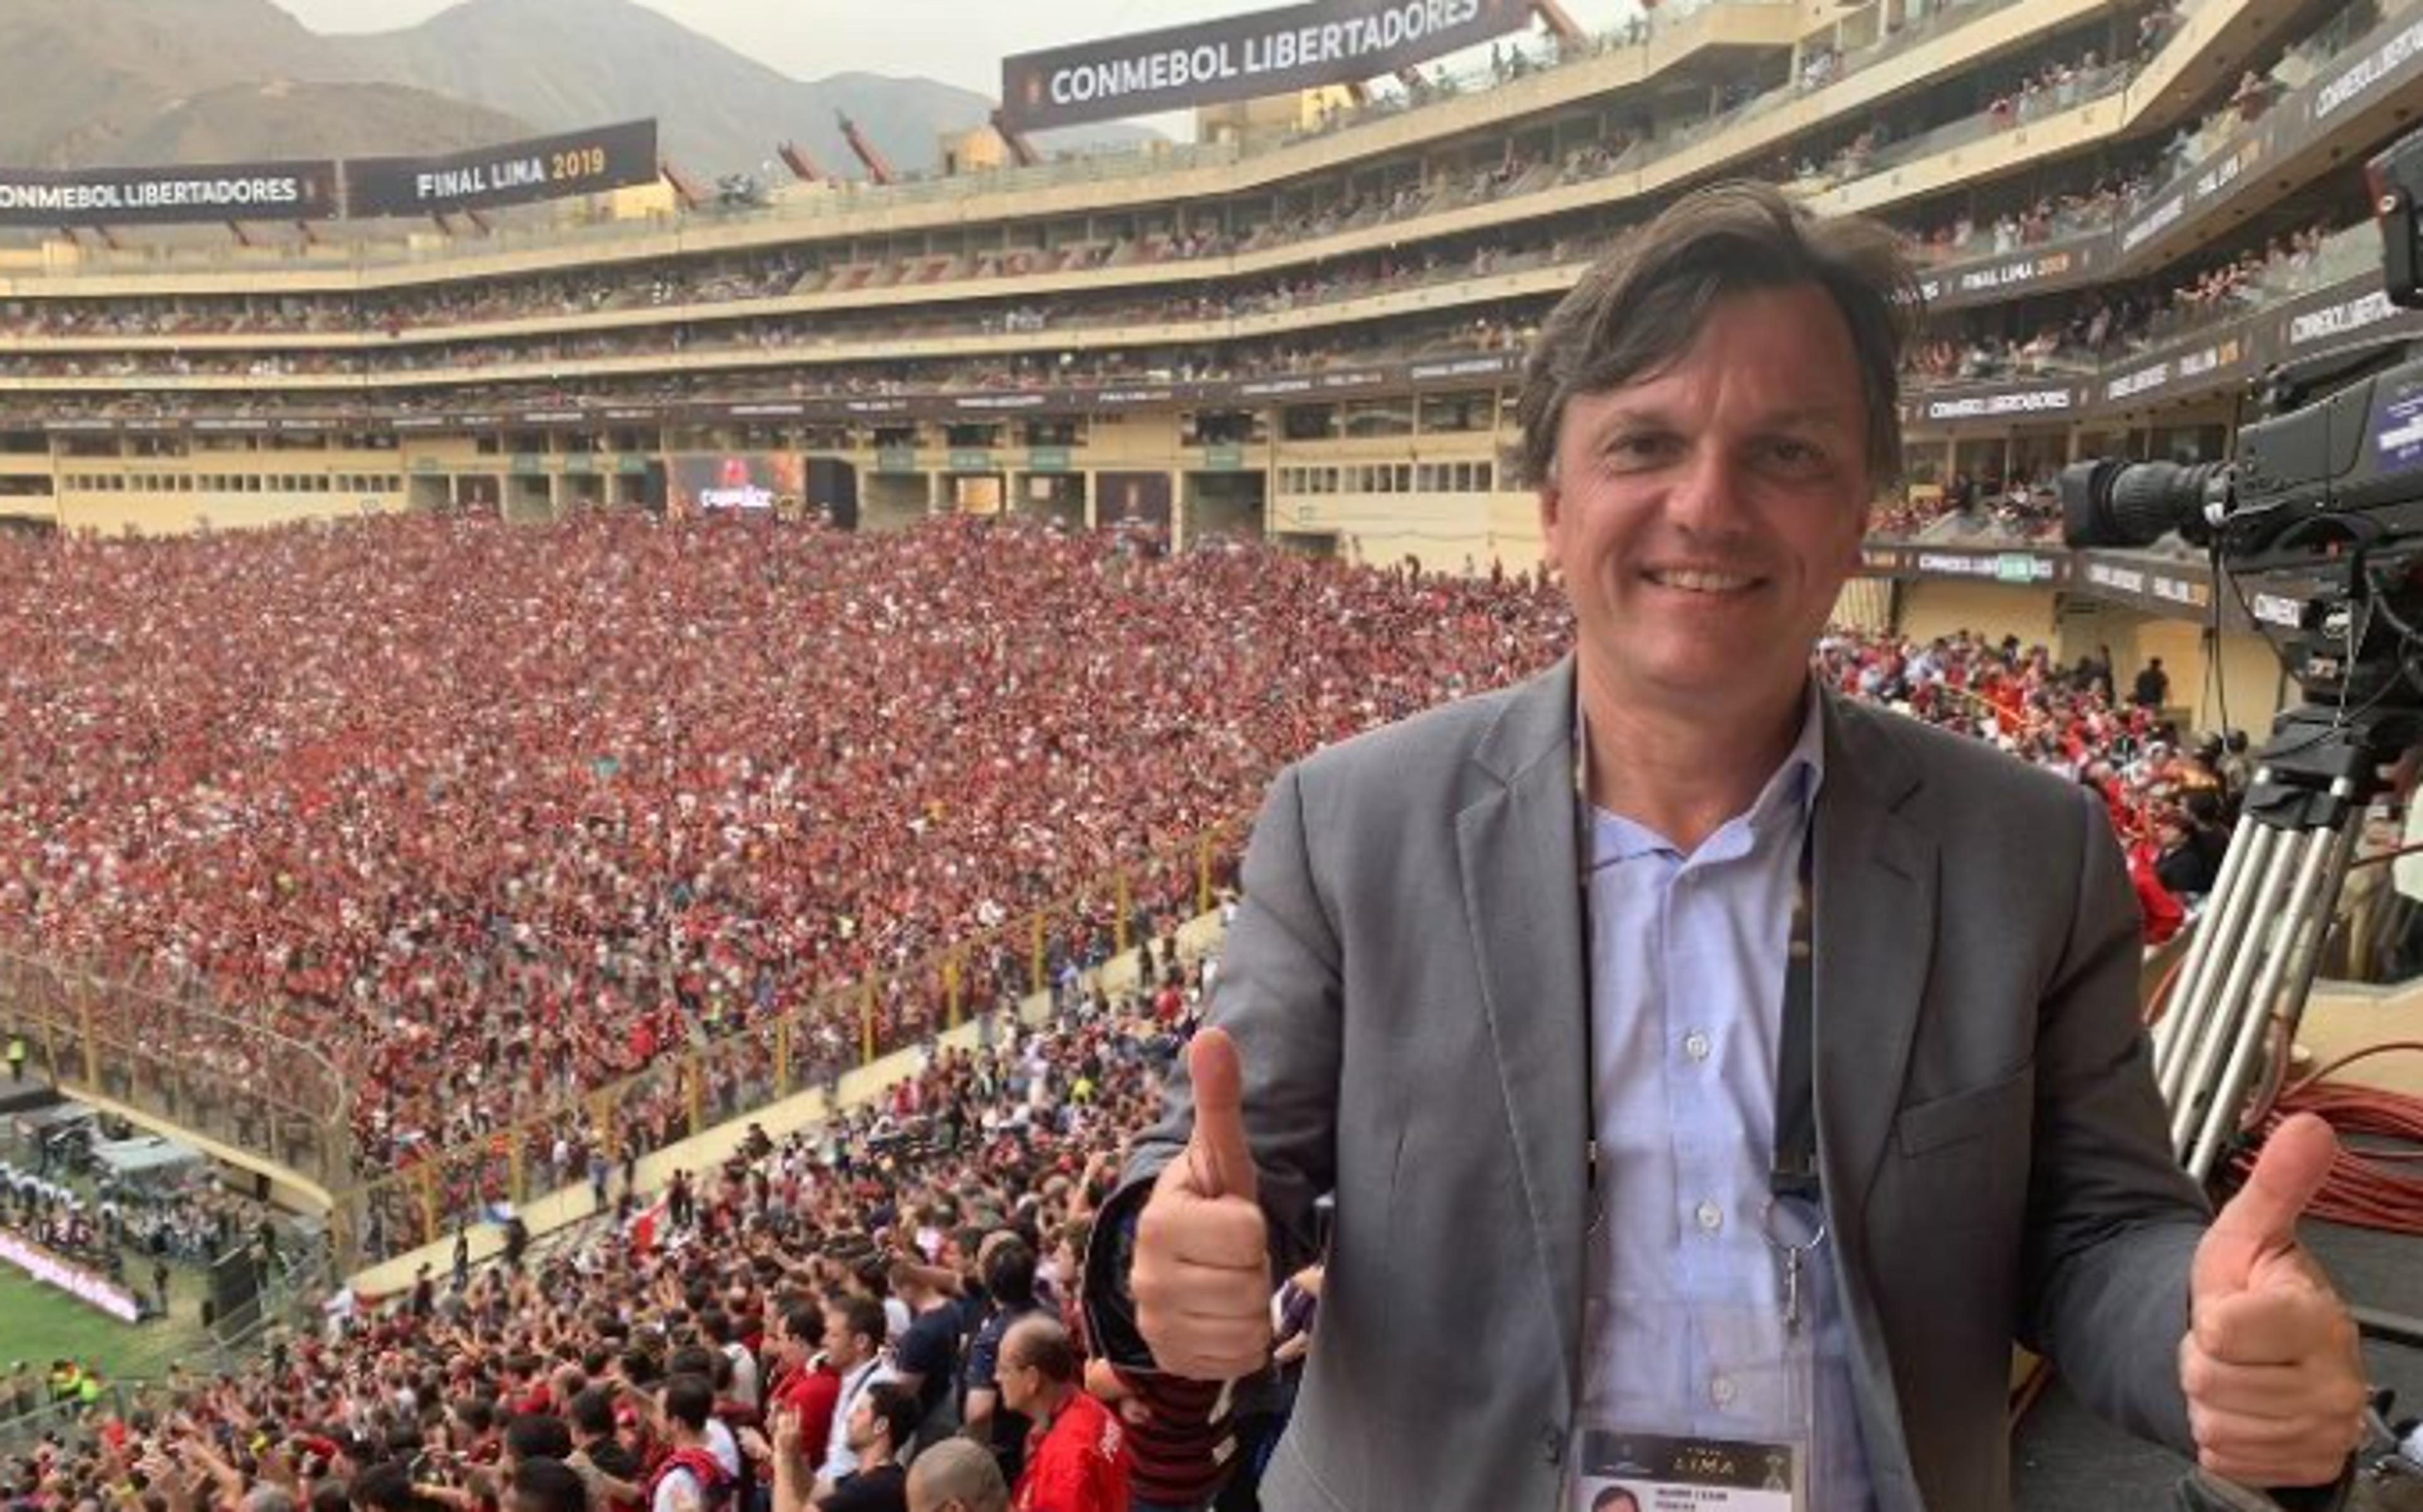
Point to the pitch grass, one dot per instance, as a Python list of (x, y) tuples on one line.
[(40, 1324)]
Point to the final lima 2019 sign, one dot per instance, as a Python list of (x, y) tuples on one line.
[(1244, 57), (514, 173)]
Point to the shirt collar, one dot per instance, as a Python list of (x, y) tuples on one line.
[(1787, 798), (1792, 793)]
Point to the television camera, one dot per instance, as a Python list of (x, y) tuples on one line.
[(2320, 505)]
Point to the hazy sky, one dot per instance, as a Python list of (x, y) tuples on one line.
[(958, 41)]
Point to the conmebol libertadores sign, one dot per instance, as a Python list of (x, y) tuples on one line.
[(164, 196), (1267, 53)]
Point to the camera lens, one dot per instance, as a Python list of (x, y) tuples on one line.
[(2108, 503)]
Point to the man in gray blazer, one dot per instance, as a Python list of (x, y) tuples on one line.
[(1513, 979)]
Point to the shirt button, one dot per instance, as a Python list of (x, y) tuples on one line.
[(1721, 1391), (1711, 1216), (1695, 1045)]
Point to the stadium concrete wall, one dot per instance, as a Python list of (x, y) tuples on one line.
[(1929, 609), (182, 513)]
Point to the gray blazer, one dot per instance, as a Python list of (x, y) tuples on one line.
[(1404, 982)]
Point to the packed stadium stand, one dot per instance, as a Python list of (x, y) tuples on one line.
[(638, 673), (1302, 330)]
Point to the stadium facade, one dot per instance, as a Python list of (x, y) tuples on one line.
[(1313, 334)]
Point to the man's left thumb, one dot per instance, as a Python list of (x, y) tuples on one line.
[(2261, 1219)]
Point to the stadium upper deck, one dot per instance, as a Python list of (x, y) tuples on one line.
[(1312, 337), (1707, 91)]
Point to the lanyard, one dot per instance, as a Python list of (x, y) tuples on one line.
[(1792, 1169)]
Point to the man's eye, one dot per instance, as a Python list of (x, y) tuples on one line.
[(1804, 455), (1634, 450)]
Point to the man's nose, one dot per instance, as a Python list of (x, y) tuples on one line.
[(1705, 497)]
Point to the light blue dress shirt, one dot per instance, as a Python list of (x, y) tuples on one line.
[(1684, 1318)]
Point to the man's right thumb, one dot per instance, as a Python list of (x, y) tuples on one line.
[(1222, 1163)]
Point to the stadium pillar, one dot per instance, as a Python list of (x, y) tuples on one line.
[(601, 1119), (428, 1184), (51, 1049), (866, 1024), (92, 1044), (516, 1165), (341, 1235), (951, 986), (694, 1076)]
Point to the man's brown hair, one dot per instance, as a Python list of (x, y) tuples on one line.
[(1644, 303)]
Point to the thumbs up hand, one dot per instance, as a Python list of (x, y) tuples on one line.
[(2273, 1376), (1202, 1273)]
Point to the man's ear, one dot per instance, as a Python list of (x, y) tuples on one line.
[(1551, 518)]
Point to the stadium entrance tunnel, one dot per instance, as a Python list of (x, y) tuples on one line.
[(1056, 497), (985, 494), (832, 491), (1231, 505), (893, 500), (530, 499)]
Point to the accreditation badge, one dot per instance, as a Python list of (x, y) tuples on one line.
[(1614, 1471)]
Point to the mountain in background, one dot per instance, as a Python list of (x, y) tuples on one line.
[(161, 81), (248, 121), (88, 75)]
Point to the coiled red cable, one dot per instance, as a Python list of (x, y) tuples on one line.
[(2377, 1181)]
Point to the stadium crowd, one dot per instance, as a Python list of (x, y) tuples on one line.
[(492, 826), (2110, 325), (2172, 800), (2050, 218)]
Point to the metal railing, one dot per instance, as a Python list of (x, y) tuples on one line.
[(189, 1063), (731, 1072), (2084, 86), (2351, 251)]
